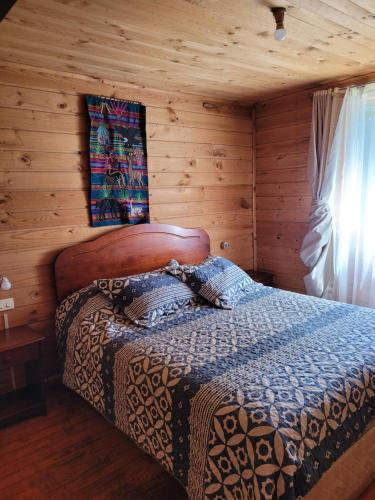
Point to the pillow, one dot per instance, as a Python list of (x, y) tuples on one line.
[(147, 298), (216, 279)]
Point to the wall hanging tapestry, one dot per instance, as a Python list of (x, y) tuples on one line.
[(118, 161)]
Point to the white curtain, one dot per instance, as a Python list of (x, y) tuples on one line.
[(316, 250), (353, 199)]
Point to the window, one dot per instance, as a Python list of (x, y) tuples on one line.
[(353, 198)]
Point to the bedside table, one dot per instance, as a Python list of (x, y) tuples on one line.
[(22, 346), (263, 277)]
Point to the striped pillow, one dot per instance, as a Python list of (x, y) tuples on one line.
[(147, 298), (216, 279)]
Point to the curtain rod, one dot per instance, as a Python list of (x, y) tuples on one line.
[(344, 89), (353, 85)]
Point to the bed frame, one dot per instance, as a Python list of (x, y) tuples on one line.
[(126, 251), (142, 248)]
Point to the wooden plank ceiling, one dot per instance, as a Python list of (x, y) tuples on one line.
[(216, 47)]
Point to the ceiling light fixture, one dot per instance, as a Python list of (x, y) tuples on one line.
[(280, 31)]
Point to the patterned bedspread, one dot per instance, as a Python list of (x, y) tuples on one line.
[(254, 402)]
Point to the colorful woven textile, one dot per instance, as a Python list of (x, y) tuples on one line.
[(118, 162)]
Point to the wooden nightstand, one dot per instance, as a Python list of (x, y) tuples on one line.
[(264, 277), (22, 346)]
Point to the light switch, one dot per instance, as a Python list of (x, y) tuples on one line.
[(7, 304)]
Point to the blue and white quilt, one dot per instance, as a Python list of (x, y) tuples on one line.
[(255, 402)]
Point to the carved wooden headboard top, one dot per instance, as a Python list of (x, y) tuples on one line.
[(126, 251)]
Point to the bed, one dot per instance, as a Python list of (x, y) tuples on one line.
[(274, 398)]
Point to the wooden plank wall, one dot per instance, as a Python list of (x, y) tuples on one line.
[(282, 189), (200, 172)]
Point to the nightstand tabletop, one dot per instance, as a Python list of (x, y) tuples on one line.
[(260, 276), (18, 337)]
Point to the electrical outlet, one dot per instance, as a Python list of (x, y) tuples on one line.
[(7, 304)]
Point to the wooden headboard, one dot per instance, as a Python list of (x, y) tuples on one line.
[(126, 251)]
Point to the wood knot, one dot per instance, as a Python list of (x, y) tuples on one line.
[(219, 152), (172, 115), (25, 159), (209, 105), (244, 203), (185, 181)]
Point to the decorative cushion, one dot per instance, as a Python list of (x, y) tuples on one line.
[(147, 298), (216, 279)]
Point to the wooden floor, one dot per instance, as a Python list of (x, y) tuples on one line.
[(73, 453)]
